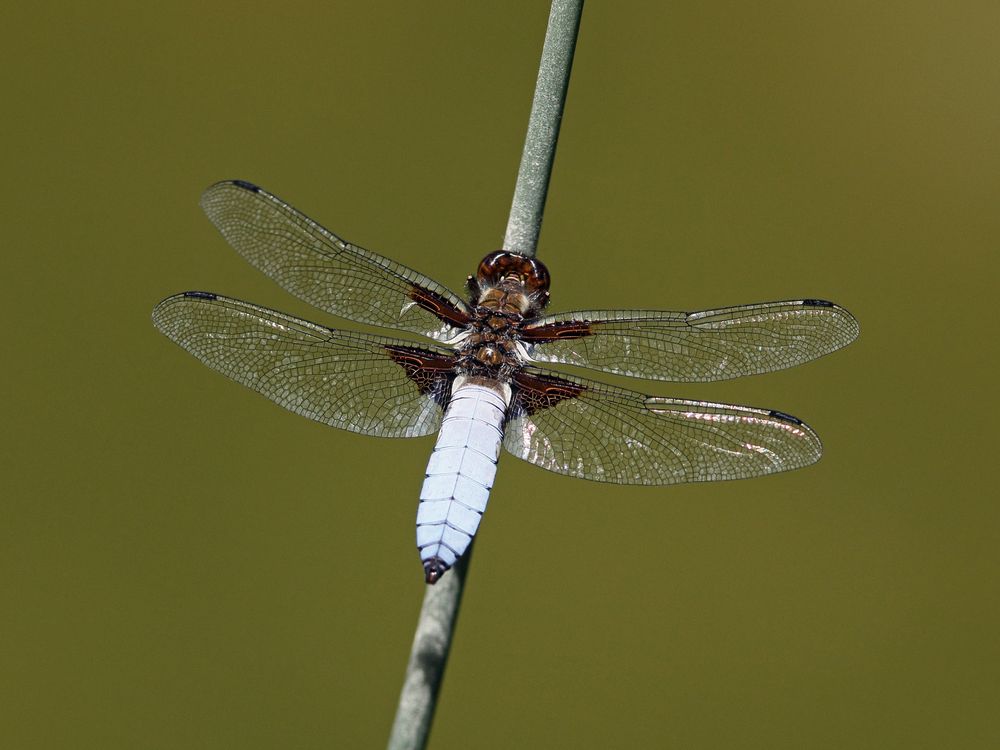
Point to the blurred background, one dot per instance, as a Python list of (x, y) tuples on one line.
[(185, 565)]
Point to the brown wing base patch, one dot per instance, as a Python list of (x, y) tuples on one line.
[(537, 392), (431, 372), (561, 331), (437, 305)]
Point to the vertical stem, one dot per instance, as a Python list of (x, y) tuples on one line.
[(525, 222), (428, 657), (439, 612)]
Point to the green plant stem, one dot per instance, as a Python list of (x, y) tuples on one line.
[(428, 657), (439, 613), (525, 221)]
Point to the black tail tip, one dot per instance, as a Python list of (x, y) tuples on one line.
[(434, 568)]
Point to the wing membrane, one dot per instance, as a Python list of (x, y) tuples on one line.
[(357, 382), (686, 347), (595, 431), (326, 271)]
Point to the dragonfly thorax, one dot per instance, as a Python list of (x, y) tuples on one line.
[(490, 349), (507, 299)]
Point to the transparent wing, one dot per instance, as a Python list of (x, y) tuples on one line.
[(699, 346), (595, 431), (318, 266), (357, 382)]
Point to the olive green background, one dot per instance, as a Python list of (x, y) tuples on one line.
[(185, 565)]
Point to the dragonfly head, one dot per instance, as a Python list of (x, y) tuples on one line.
[(517, 274)]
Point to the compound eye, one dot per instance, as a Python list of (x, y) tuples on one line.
[(528, 272), (490, 268)]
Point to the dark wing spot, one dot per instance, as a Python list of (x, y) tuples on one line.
[(246, 186), (817, 303), (201, 295), (784, 417), (537, 392)]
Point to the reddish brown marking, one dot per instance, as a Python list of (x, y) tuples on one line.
[(537, 392), (438, 305), (431, 372), (561, 331), (489, 356)]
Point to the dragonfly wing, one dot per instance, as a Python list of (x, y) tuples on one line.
[(686, 347), (595, 431), (358, 382), (318, 266)]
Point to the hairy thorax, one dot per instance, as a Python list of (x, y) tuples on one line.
[(491, 348), (507, 291)]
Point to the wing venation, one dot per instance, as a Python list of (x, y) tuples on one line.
[(596, 431), (367, 384), (693, 347), (316, 265)]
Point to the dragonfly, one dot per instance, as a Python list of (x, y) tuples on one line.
[(478, 377)]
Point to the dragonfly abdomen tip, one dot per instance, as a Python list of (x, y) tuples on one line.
[(434, 568)]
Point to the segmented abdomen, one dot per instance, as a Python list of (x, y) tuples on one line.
[(460, 472)]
